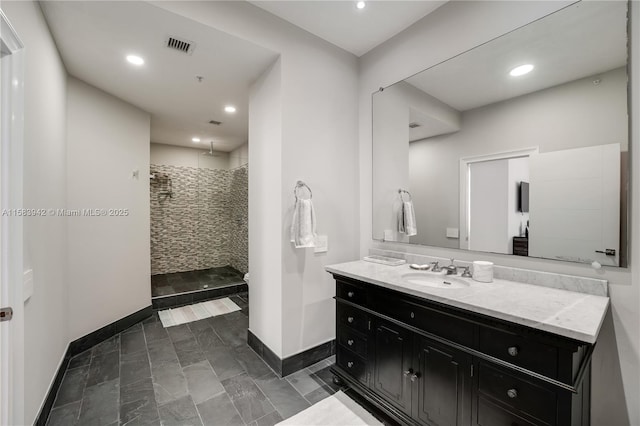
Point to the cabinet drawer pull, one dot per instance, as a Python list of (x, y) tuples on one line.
[(350, 320), (350, 342), (513, 350), (350, 364), (512, 393), (350, 294), (413, 315), (415, 377), (408, 372)]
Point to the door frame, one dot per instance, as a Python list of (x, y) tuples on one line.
[(11, 236), (465, 185)]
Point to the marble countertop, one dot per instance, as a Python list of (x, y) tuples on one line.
[(566, 313)]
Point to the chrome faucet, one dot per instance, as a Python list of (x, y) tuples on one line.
[(466, 273), (451, 269), (435, 267)]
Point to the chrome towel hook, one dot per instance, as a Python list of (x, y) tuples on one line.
[(402, 192), (300, 184)]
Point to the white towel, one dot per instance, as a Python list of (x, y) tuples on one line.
[(303, 225), (407, 219)]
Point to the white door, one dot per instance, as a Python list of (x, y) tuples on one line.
[(488, 206), (487, 199), (575, 205), (11, 123)]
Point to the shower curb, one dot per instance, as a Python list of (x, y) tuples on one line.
[(182, 299)]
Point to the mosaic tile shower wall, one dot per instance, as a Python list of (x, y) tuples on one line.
[(191, 219), (211, 238), (239, 230)]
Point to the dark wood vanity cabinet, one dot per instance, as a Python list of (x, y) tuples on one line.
[(391, 360), (442, 391), (429, 364)]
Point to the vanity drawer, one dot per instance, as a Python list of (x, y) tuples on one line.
[(431, 321), (352, 317), (351, 292), (524, 352), (352, 364), (520, 395), (491, 415), (353, 341)]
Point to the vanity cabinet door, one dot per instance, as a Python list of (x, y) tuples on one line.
[(391, 357), (442, 390)]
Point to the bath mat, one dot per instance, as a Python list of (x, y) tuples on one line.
[(336, 410), (198, 311)]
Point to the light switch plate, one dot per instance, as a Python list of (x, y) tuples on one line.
[(322, 244), (453, 233), (27, 289)]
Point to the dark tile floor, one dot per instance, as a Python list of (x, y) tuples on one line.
[(183, 282), (201, 373)]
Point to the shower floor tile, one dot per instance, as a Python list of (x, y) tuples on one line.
[(185, 282)]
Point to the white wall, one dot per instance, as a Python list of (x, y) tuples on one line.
[(438, 37), (265, 245), (391, 154), (239, 156), (109, 267), (45, 238), (393, 109), (173, 155), (318, 145)]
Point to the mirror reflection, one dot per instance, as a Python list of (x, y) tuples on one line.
[(518, 146)]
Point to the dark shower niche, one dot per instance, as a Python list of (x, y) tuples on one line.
[(184, 288)]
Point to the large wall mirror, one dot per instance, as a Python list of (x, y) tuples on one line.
[(518, 146)]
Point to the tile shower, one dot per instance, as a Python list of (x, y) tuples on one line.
[(199, 229)]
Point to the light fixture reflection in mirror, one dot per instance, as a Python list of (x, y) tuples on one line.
[(465, 138), (521, 70)]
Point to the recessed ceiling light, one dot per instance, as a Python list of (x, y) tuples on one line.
[(135, 60), (361, 5), (230, 108), (195, 139), (521, 70)]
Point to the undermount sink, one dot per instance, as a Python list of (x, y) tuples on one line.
[(432, 280)]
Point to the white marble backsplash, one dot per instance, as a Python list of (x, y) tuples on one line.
[(545, 279)]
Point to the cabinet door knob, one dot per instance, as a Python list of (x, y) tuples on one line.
[(350, 364), (413, 315), (350, 294), (408, 372), (512, 393), (513, 350), (415, 377), (350, 342), (350, 319)]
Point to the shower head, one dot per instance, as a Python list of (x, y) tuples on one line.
[(211, 152)]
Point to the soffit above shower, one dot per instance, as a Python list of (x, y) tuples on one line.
[(94, 37)]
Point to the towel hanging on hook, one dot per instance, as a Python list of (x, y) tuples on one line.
[(303, 223), (406, 215)]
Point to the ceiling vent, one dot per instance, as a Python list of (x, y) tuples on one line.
[(180, 44), (215, 123), (413, 125)]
